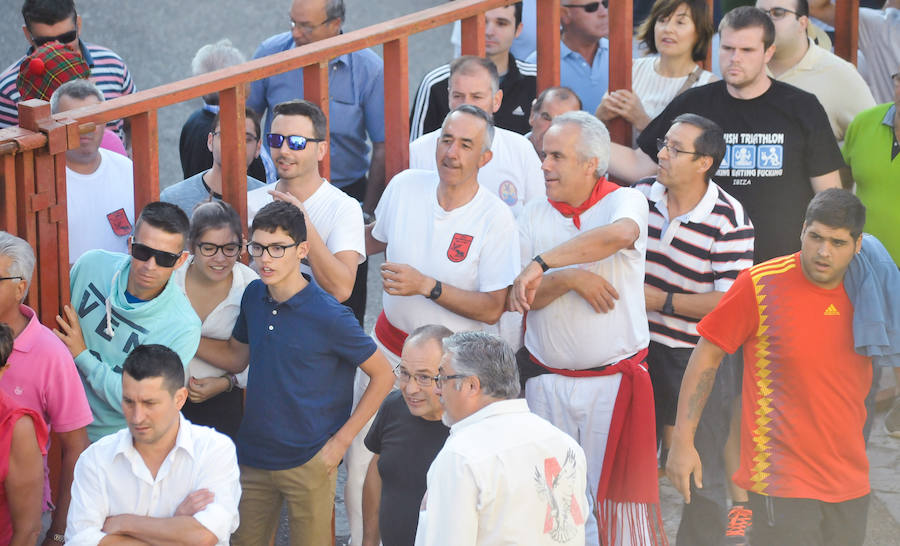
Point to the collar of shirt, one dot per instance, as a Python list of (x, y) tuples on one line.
[(659, 193), (84, 53), (183, 441), (503, 407), (25, 340), (295, 301), (809, 60), (889, 116), (565, 52), (512, 72)]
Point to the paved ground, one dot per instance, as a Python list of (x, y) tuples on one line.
[(158, 39)]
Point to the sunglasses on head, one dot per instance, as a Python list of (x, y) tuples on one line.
[(64, 38), (295, 142), (588, 8), (143, 253)]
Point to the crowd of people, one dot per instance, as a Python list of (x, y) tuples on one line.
[(564, 319)]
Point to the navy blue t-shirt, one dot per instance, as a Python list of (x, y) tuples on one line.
[(303, 356)]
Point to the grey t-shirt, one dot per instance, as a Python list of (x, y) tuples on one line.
[(189, 193)]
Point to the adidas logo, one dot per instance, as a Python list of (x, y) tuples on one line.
[(518, 111), (832, 311)]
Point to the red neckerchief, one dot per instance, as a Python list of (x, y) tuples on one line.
[(602, 188)]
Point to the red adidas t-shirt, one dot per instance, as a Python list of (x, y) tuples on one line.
[(804, 385)]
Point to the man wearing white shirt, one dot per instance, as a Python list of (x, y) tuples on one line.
[(161, 480), (504, 476), (334, 220), (513, 173), (586, 333)]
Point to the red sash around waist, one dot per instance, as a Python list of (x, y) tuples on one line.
[(389, 335)]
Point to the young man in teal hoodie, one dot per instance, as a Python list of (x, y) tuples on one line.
[(120, 302)]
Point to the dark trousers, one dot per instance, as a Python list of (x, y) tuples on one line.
[(781, 521), (222, 412), (357, 300)]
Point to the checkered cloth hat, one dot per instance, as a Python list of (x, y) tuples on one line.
[(48, 67)]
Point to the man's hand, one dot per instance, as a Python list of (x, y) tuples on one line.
[(195, 502), (525, 287), (405, 280), (71, 331), (292, 199), (201, 390), (332, 453), (116, 525), (682, 462), (654, 298), (596, 290), (604, 113)]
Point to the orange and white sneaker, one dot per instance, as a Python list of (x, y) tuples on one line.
[(740, 520)]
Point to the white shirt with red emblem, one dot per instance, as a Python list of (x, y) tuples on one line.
[(568, 333), (513, 174), (473, 247)]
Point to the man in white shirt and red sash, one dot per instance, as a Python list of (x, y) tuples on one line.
[(586, 332)]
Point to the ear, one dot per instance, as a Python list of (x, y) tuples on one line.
[(704, 162), (78, 24), (302, 250), (181, 259), (565, 16), (498, 98), (181, 396), (21, 290), (322, 149), (769, 53), (485, 157), (591, 166), (27, 34), (519, 29), (804, 23), (858, 244), (209, 141), (258, 147)]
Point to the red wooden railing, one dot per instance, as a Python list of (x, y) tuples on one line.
[(32, 156)]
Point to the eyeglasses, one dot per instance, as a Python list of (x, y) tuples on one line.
[(11, 278), (589, 8), (440, 378), (275, 251), (664, 143), (306, 28), (295, 142), (403, 376), (143, 253), (64, 38), (248, 137), (777, 14), (228, 249)]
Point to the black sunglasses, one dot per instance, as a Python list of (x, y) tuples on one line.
[(64, 38), (295, 142), (588, 8), (143, 253)]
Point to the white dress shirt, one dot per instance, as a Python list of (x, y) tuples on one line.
[(112, 479)]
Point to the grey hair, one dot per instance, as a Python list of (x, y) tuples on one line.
[(468, 64), (488, 358), (76, 89), (21, 257), (480, 114), (594, 139), (334, 9), (215, 56), (429, 332)]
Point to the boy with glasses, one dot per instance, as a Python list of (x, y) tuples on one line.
[(305, 349), (120, 302)]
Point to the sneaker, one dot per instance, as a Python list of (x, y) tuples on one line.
[(892, 420), (740, 519)]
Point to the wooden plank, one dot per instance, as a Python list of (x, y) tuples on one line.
[(396, 110), (8, 207), (707, 63), (145, 154), (47, 270), (315, 89), (60, 216), (232, 136), (25, 221), (620, 25), (473, 32), (846, 29), (547, 44)]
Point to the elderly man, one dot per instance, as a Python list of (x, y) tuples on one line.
[(518, 79), (699, 239), (120, 302), (99, 183), (405, 437), (450, 252), (584, 351), (584, 50), (56, 21), (505, 476), (807, 483), (552, 102), (161, 480), (41, 376), (801, 63), (513, 173)]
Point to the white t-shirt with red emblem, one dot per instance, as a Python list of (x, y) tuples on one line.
[(513, 174), (473, 247)]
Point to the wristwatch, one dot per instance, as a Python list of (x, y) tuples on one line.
[(540, 261), (436, 291), (57, 537), (667, 307)]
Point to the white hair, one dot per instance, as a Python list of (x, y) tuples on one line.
[(593, 141)]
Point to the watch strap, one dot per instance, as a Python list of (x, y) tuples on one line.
[(436, 291), (668, 308), (540, 261)]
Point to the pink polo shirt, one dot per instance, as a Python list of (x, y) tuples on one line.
[(42, 376)]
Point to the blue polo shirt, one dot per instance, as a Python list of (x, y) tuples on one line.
[(303, 356), (589, 82), (356, 105)]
